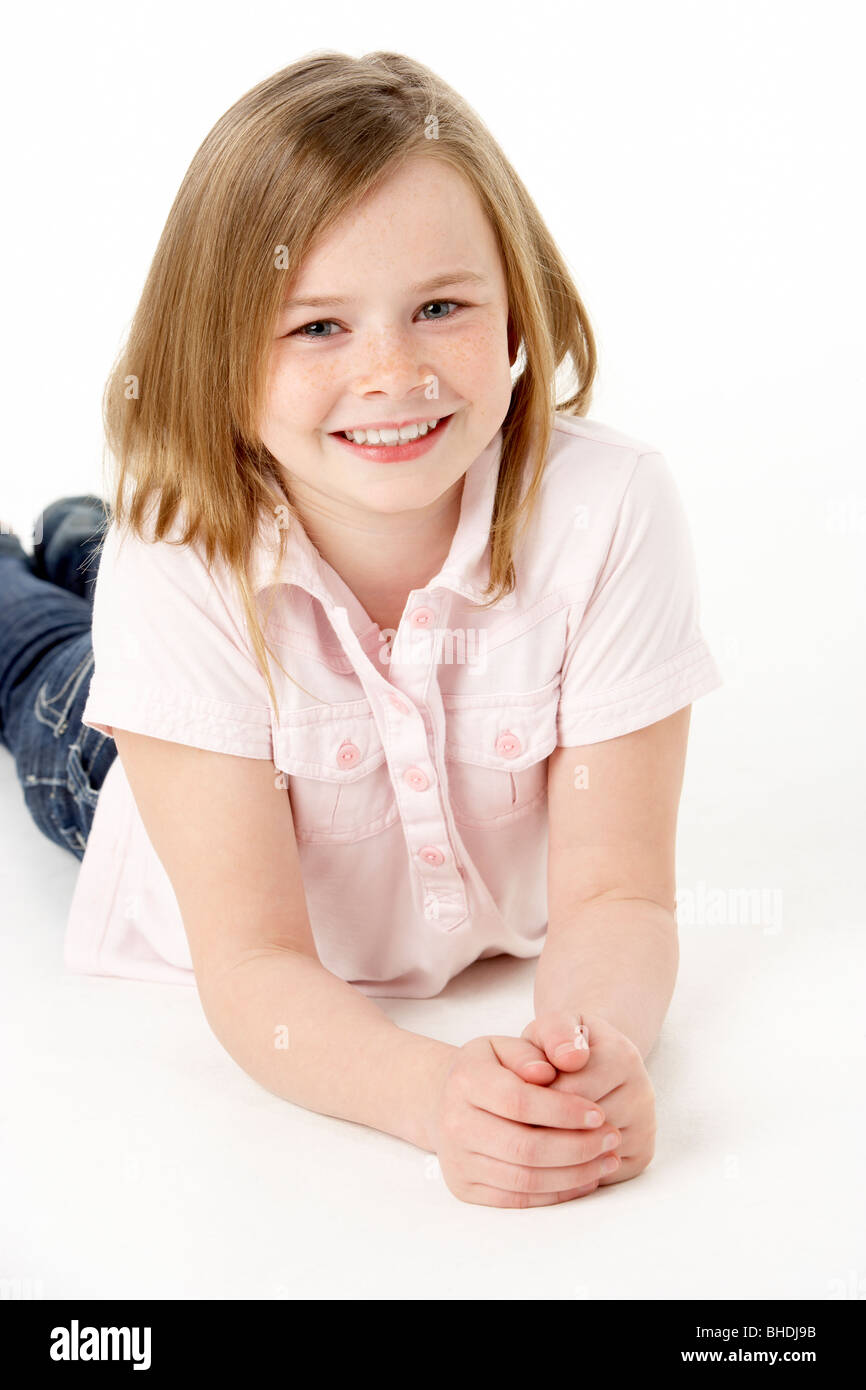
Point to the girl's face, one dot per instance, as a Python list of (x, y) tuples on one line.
[(405, 320)]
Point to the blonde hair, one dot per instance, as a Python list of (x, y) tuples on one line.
[(278, 168)]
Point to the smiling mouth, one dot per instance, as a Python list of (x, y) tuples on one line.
[(392, 437)]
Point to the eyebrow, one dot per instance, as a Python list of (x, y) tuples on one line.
[(439, 282)]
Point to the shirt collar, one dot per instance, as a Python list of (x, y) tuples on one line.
[(466, 569)]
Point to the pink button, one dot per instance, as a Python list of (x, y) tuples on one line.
[(422, 617), (508, 744), (417, 779), (431, 855), (348, 755), (399, 704)]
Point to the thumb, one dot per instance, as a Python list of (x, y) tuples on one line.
[(563, 1038), (524, 1058)]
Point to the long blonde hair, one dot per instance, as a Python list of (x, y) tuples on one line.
[(287, 160)]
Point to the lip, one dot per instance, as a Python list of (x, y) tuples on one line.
[(396, 453)]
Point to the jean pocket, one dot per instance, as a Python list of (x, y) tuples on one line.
[(54, 702), (73, 839), (335, 771), (496, 752), (80, 766)]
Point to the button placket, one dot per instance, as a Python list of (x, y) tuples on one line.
[(443, 888), (432, 855), (413, 643), (416, 778), (422, 618)]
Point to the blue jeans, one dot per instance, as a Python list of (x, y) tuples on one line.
[(46, 661)]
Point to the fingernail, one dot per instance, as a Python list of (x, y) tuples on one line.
[(580, 1043), (610, 1143), (536, 1064), (593, 1117)]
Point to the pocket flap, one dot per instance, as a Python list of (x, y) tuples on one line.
[(509, 732), (337, 743)]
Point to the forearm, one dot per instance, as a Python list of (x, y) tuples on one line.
[(617, 959), (311, 1038)]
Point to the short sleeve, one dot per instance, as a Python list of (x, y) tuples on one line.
[(172, 658), (635, 652)]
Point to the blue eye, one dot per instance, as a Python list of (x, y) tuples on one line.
[(301, 332), (322, 323), (441, 301)]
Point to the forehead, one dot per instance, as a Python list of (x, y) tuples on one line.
[(422, 223)]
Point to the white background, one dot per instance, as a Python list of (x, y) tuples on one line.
[(701, 169)]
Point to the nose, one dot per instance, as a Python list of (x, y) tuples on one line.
[(391, 364)]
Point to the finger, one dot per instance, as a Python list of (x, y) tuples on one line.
[(524, 1057), (537, 1146), (564, 1038), (622, 1174), (516, 1177), (485, 1196), (514, 1052), (531, 1032)]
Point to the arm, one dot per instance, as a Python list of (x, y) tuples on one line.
[(226, 839), (311, 1038), (611, 947)]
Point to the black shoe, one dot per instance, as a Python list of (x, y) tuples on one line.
[(66, 537)]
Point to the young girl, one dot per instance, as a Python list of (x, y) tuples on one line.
[(396, 648)]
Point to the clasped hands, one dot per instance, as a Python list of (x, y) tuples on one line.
[(587, 1056), (501, 1141)]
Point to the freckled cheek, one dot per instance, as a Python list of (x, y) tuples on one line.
[(301, 394), (473, 360)]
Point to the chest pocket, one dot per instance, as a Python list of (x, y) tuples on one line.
[(496, 751), (335, 772)]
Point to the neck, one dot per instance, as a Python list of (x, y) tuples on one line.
[(376, 555)]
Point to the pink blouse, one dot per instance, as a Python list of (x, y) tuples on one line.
[(417, 763)]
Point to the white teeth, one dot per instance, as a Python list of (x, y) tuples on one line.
[(401, 436)]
